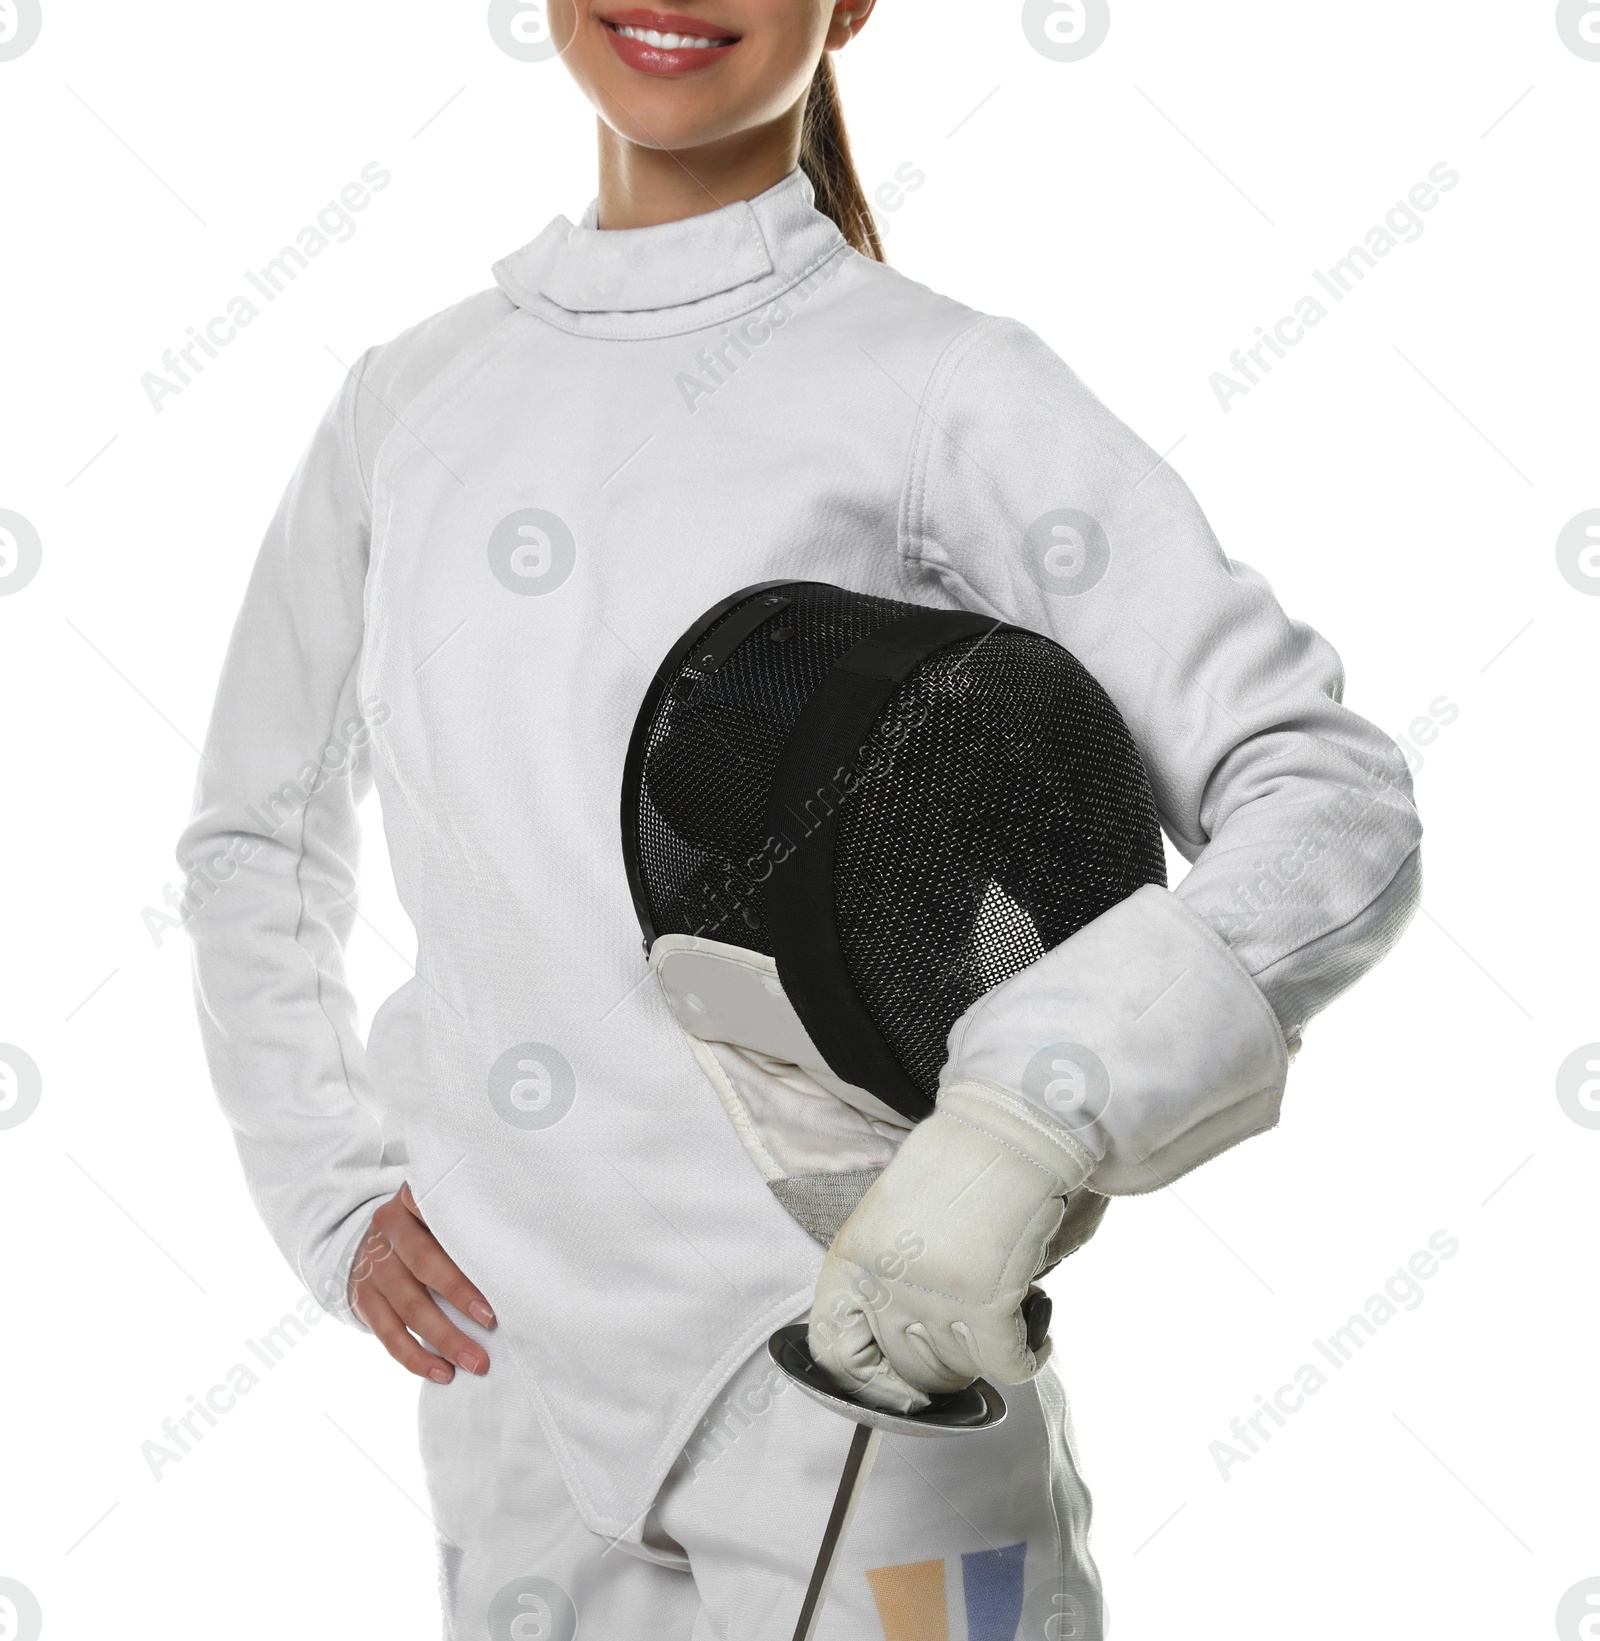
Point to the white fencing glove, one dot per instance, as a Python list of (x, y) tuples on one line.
[(923, 1289)]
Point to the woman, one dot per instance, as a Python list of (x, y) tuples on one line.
[(507, 516)]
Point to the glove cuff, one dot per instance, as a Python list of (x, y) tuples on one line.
[(1143, 1033), (1016, 1123)]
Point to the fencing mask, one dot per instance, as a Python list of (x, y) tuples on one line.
[(845, 819)]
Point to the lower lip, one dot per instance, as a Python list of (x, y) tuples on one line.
[(658, 60)]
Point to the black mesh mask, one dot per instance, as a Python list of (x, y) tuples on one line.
[(874, 812)]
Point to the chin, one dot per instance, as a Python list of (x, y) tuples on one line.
[(665, 125), (672, 117)]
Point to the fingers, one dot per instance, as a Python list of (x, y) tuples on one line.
[(896, 1348), (999, 1348), (840, 1335), (398, 1269), (390, 1332), (934, 1355), (844, 1340), (426, 1259), (415, 1307)]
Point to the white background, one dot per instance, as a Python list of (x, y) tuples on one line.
[(1401, 478)]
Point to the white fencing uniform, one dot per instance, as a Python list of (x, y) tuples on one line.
[(505, 520)]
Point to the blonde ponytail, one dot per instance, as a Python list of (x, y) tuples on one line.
[(825, 159)]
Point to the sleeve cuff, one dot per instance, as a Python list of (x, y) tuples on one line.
[(1142, 1036), (330, 1286)]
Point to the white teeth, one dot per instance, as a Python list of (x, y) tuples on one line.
[(666, 42)]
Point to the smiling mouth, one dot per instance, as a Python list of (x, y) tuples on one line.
[(672, 42), (663, 32)]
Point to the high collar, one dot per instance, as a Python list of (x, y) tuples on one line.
[(677, 276)]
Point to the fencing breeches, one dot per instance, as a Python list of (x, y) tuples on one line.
[(982, 1539)]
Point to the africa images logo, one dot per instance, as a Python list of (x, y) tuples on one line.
[(521, 29), (532, 1609), (1578, 1091), (20, 22), (1578, 24), (531, 552), (1066, 31), (1578, 1616), (20, 1089), (1577, 552), (20, 550), (20, 1617), (532, 1086), (1071, 1081), (1067, 552)]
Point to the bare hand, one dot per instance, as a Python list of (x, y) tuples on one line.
[(398, 1262)]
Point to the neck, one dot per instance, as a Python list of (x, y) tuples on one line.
[(643, 187)]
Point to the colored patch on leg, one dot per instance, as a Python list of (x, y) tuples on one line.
[(993, 1583), (910, 1600)]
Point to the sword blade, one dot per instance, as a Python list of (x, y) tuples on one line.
[(852, 1484)]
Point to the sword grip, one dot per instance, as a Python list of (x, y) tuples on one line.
[(1036, 1312)]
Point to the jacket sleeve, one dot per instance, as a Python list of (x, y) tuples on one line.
[(270, 864), (1161, 1033)]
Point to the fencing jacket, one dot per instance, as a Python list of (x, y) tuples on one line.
[(507, 516)]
